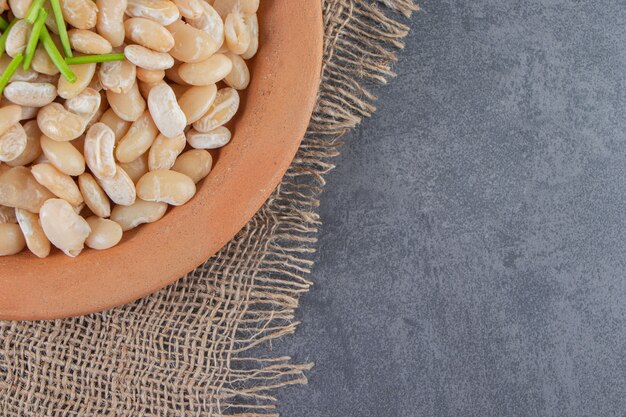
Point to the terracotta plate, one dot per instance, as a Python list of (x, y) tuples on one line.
[(267, 133)]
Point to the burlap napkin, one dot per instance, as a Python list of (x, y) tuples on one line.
[(185, 350)]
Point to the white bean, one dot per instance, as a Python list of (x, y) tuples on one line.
[(104, 233), (12, 143), (138, 140), (129, 105), (164, 151), (211, 22), (60, 184), (147, 58), (221, 112), (196, 164), (63, 155), (19, 189), (63, 227), (33, 145), (110, 22), (11, 239), (165, 186), (141, 212), (163, 11), (31, 94), (120, 187), (165, 111), (34, 234), (209, 140), (99, 145), (94, 196)]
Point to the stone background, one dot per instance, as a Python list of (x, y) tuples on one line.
[(473, 251)]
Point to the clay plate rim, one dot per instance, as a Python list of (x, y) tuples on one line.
[(267, 134)]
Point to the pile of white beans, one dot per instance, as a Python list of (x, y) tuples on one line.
[(81, 163)]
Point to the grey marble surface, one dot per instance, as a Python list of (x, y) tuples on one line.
[(473, 256)]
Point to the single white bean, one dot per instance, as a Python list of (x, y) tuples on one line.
[(236, 33), (239, 76), (99, 146), (165, 111), (88, 42), (164, 151), (9, 115), (63, 155), (19, 189), (18, 38), (94, 196), (12, 143), (120, 188), (136, 168), (141, 212), (197, 101), (104, 233), (138, 140), (63, 227), (19, 8), (11, 239), (209, 140), (82, 14), (117, 76), (60, 124), (211, 22), (34, 234), (252, 22), (210, 71), (221, 112), (60, 184), (110, 22), (33, 145), (149, 34), (195, 163), (31, 94), (224, 7), (147, 58), (167, 187), (128, 106), (84, 75), (163, 11)]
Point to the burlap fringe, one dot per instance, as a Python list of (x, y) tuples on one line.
[(359, 49), (190, 349)]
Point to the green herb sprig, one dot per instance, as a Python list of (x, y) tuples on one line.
[(56, 56), (37, 16), (58, 18), (5, 35), (10, 71), (34, 38), (33, 11), (92, 59)]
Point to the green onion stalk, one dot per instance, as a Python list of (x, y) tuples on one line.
[(5, 35), (34, 38), (56, 56), (37, 16), (33, 11), (58, 17), (10, 71), (92, 59)]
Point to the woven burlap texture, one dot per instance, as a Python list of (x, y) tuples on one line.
[(186, 351)]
